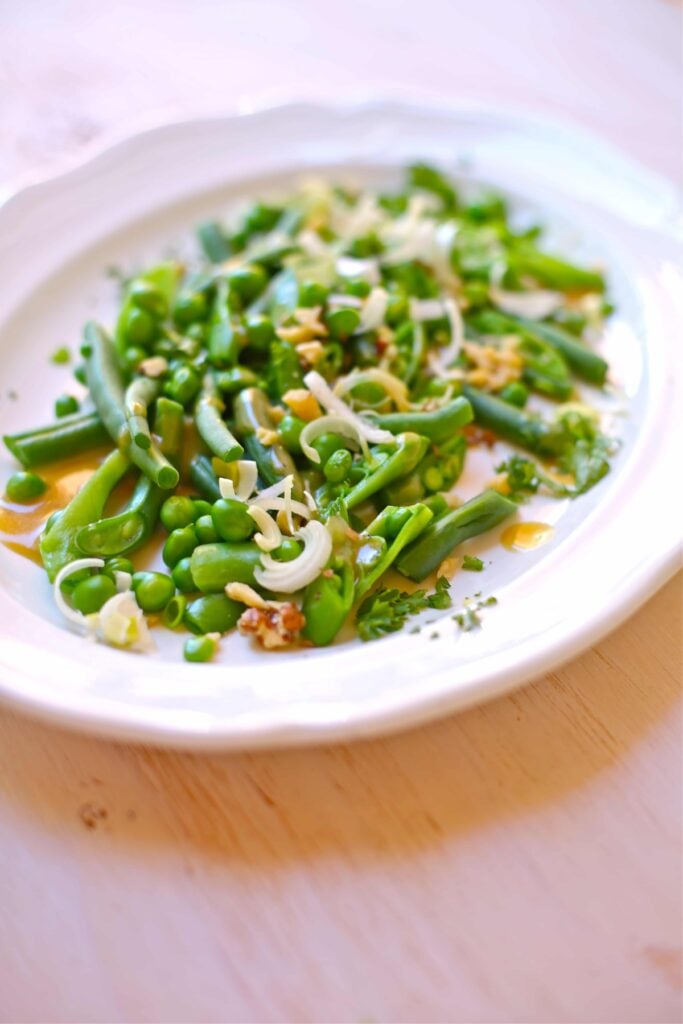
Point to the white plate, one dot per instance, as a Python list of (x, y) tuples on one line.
[(611, 549)]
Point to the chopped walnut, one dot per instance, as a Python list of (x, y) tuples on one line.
[(494, 367), (302, 403), (310, 352), (266, 436), (273, 627), (308, 326)]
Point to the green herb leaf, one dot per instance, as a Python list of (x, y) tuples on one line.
[(472, 563)]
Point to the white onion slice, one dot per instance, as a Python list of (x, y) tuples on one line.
[(269, 536), (395, 388), (441, 359), (121, 623), (281, 505), (334, 405), (374, 309), (535, 304), (339, 299), (247, 471), (330, 425), (426, 309), (287, 577), (366, 269)]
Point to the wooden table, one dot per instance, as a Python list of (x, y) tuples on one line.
[(519, 862)]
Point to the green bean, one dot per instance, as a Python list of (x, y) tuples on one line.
[(135, 524), (213, 566), (437, 424), (24, 486), (106, 388), (511, 423), (553, 272), (213, 241), (224, 344), (212, 613), (284, 370), (327, 603), (582, 360), (183, 384), (403, 459), (250, 409), (174, 611), (436, 543), (70, 436), (211, 426), (58, 541), (139, 395), (155, 289), (203, 477)]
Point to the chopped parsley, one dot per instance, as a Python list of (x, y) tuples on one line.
[(472, 564), (387, 610)]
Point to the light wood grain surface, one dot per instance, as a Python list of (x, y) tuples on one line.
[(519, 862)]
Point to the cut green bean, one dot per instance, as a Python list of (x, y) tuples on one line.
[(212, 427), (71, 436), (106, 388), (139, 395), (252, 418), (437, 424), (441, 536)]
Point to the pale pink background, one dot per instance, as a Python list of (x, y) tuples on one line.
[(519, 862)]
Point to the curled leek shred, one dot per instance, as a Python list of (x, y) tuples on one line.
[(287, 577), (69, 613), (247, 476), (394, 386), (330, 425), (122, 624), (374, 309), (444, 357), (334, 405), (269, 536), (535, 304)]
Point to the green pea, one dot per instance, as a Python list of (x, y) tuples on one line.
[(80, 373), (230, 382), (183, 385), (261, 217), (397, 309), (66, 405), (365, 246), (198, 332), (199, 648), (89, 595), (60, 356), (114, 565), (149, 297), (341, 323), (139, 327), (432, 478), (212, 613), (338, 465), (326, 445), (174, 611), (201, 508), (231, 520), (288, 550), (153, 590), (260, 332), (206, 531), (182, 576), (133, 356), (189, 307), (24, 486), (361, 289), (331, 360), (476, 293), (179, 544), (369, 393), (289, 429), (177, 511), (515, 393), (248, 281), (312, 294)]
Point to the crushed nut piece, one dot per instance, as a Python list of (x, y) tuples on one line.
[(273, 627), (302, 403), (310, 352), (266, 436), (155, 366)]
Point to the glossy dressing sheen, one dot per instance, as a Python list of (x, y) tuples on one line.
[(526, 536), (22, 524)]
